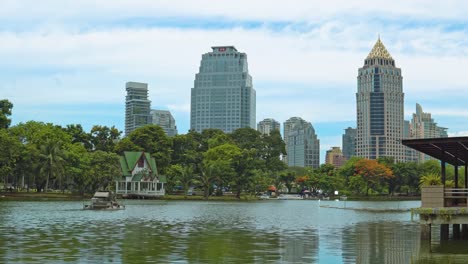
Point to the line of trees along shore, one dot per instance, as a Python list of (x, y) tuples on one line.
[(37, 156)]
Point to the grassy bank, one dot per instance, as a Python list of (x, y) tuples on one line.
[(34, 196)]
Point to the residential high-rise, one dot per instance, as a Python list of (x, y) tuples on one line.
[(165, 120), (423, 126), (335, 157), (303, 147), (349, 142), (137, 106), (268, 125), (223, 96), (380, 107)]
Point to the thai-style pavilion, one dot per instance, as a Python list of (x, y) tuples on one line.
[(443, 205), (139, 176)]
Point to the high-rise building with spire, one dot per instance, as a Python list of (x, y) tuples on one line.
[(223, 96), (380, 107)]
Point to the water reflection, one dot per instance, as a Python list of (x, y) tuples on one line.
[(209, 232)]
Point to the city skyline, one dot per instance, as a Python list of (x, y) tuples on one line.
[(303, 62)]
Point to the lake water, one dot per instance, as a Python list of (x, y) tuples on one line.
[(291, 231)]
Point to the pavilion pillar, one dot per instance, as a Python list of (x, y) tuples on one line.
[(456, 176), (443, 173), (466, 176), (444, 232), (426, 232), (456, 231), (465, 231)]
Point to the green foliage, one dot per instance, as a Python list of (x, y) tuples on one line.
[(5, 112), (104, 138), (9, 154), (430, 179)]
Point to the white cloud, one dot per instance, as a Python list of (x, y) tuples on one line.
[(458, 134)]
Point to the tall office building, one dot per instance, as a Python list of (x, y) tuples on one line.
[(349, 142), (380, 108), (223, 96), (303, 146), (137, 106), (165, 120), (268, 125), (423, 126)]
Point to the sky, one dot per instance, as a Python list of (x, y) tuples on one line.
[(67, 62)]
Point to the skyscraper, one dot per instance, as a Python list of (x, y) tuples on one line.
[(349, 142), (137, 106), (423, 126), (380, 108), (223, 96), (303, 146), (165, 120), (268, 125)]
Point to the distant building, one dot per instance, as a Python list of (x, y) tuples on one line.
[(303, 147), (380, 107), (223, 96), (349, 142), (164, 119), (335, 157), (423, 126), (268, 125), (137, 106)]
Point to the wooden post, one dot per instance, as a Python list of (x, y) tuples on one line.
[(456, 176), (443, 173), (456, 231), (444, 232), (426, 232), (464, 234)]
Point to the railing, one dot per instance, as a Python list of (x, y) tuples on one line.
[(142, 192), (455, 197), (438, 196)]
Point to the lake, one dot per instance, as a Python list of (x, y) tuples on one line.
[(153, 231)]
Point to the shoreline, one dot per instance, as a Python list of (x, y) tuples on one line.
[(33, 196)]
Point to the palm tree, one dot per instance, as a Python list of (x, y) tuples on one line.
[(206, 178), (186, 178), (52, 156)]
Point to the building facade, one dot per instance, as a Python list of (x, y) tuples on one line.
[(422, 125), (335, 157), (380, 107), (165, 120), (348, 141), (303, 146), (268, 125), (137, 106), (223, 96)]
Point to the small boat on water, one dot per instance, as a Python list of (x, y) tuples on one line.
[(104, 200)]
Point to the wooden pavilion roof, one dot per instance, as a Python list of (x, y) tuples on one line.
[(453, 150)]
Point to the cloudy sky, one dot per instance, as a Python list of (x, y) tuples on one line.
[(67, 62)]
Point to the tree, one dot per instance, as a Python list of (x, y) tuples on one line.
[(372, 173), (5, 112), (78, 135), (222, 159), (206, 178), (104, 138), (430, 179), (9, 154), (104, 167), (53, 158), (288, 178)]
